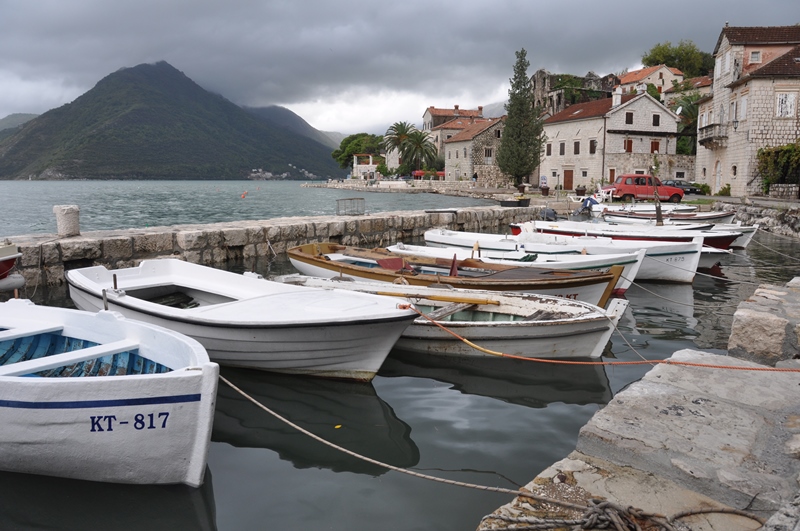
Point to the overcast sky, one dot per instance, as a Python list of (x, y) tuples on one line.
[(344, 65)]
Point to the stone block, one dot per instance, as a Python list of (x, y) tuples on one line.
[(235, 237), (757, 335), (154, 243), (80, 249), (120, 248), (192, 239)]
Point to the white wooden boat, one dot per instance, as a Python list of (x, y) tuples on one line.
[(639, 218), (663, 261), (520, 324), (250, 322), (379, 265), (98, 397), (666, 208), (630, 262), (713, 238), (747, 231)]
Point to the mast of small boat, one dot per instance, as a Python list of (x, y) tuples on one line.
[(659, 218)]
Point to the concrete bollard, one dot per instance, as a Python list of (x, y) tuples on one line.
[(67, 220)]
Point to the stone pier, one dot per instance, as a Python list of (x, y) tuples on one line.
[(701, 432), (45, 257)]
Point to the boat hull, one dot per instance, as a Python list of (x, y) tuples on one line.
[(594, 288), (494, 323), (663, 261), (135, 428), (294, 331), (558, 340)]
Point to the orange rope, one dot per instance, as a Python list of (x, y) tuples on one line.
[(568, 362)]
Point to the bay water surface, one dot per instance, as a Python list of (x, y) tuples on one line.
[(496, 422)]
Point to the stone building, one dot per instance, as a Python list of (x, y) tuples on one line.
[(472, 154), (701, 85), (591, 143), (433, 116), (660, 76), (754, 104), (449, 129), (555, 92)]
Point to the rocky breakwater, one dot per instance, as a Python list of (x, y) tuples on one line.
[(776, 217), (714, 436)]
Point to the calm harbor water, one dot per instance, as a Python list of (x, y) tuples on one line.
[(496, 423)]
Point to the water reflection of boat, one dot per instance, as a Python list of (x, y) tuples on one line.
[(349, 414), (29, 501), (525, 383), (661, 308)]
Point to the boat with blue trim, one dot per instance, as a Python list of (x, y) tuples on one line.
[(98, 397)]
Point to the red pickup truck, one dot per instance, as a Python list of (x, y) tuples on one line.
[(640, 187)]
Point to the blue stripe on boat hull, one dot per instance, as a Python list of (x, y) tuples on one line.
[(101, 403)]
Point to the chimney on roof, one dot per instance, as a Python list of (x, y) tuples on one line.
[(455, 110), (616, 98), (480, 111)]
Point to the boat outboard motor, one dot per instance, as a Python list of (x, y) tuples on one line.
[(548, 214), (586, 206)]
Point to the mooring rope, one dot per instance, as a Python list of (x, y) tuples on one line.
[(605, 363), (601, 514)]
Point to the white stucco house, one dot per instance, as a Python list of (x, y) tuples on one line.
[(753, 104), (591, 143)]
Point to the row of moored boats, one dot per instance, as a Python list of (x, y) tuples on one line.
[(123, 389)]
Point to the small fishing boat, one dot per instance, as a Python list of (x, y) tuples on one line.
[(713, 238), (250, 322), (99, 397), (520, 324), (647, 218), (8, 259), (599, 208), (663, 261), (630, 262), (379, 265)]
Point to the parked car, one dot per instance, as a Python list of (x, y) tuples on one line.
[(642, 187), (686, 186)]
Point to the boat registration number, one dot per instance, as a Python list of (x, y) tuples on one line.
[(140, 421)]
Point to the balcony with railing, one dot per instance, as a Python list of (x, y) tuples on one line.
[(712, 136)]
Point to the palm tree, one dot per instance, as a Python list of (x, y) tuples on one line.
[(419, 149), (686, 107), (396, 136)]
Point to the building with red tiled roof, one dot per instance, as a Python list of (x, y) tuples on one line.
[(661, 76), (433, 117), (471, 154), (701, 85), (591, 143), (754, 104), (447, 130)]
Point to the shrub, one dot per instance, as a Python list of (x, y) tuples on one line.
[(725, 190)]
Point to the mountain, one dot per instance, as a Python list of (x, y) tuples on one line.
[(15, 120), (152, 122), (286, 119), (494, 110)]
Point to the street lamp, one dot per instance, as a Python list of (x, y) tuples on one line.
[(735, 125)]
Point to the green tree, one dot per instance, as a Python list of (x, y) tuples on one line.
[(686, 57), (520, 150), (419, 150), (354, 144), (685, 105), (397, 136)]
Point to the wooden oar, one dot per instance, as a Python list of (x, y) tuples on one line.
[(443, 298)]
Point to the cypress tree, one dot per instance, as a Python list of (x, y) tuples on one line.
[(520, 150)]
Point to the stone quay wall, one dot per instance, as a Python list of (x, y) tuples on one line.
[(45, 257)]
